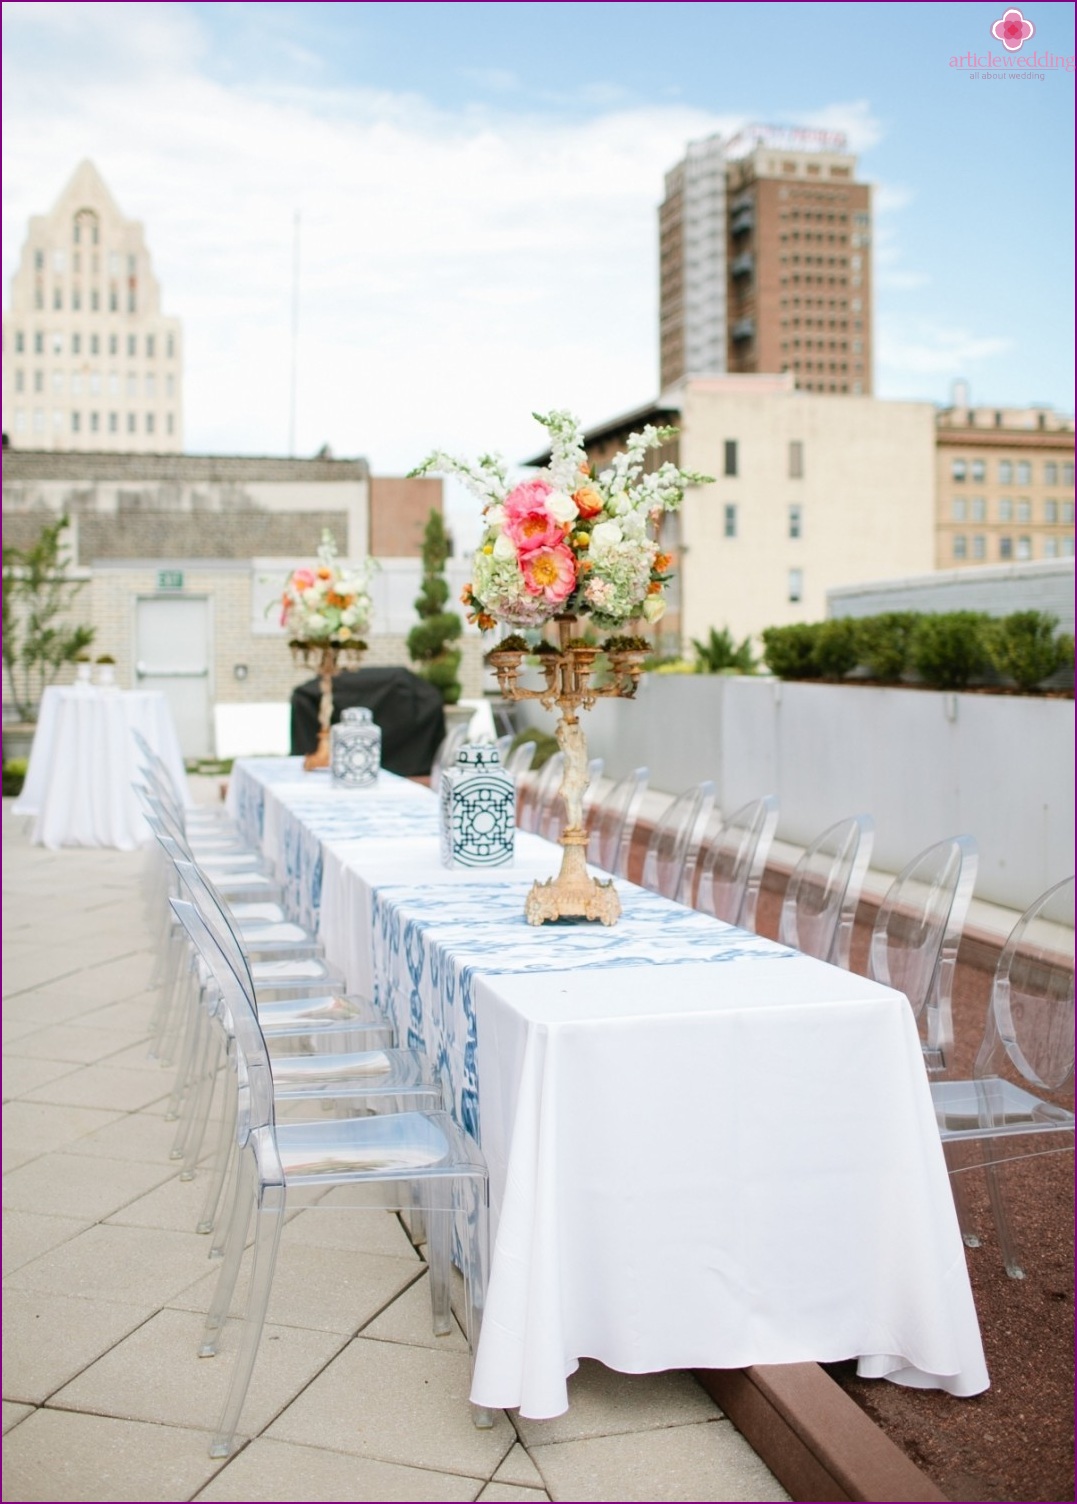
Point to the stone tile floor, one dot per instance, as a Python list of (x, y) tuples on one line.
[(105, 1280)]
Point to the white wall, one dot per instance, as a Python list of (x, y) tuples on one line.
[(925, 764)]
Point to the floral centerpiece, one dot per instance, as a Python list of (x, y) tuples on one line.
[(571, 542), (326, 610), (326, 604)]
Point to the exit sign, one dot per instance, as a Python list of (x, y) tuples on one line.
[(170, 579)]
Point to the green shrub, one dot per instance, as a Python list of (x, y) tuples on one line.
[(1024, 648), (884, 642), (429, 639), (721, 655), (671, 666), (14, 773), (836, 648), (791, 652), (950, 649), (545, 745)]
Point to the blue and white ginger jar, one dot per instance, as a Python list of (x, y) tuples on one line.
[(355, 749), (478, 810)]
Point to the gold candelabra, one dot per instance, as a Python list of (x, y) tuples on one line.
[(568, 672), (328, 658)]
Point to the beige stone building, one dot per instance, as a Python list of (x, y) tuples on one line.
[(1004, 479), (90, 360), (765, 261)]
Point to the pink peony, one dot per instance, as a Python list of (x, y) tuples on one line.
[(549, 572), (527, 522)]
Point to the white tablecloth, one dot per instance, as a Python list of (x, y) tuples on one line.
[(83, 763), (705, 1150)]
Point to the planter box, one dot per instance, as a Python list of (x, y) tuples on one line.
[(925, 764)]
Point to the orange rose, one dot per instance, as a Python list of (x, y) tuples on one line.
[(655, 587), (662, 562), (588, 501)]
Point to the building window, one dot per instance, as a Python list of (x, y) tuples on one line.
[(151, 345), (58, 298), (39, 343), (1050, 473), (1067, 473), (113, 422), (39, 261), (729, 525), (58, 344), (149, 422), (1050, 511), (95, 383), (20, 380), (977, 470), (113, 300), (113, 384), (76, 344), (170, 424), (20, 342), (57, 381), (1067, 547), (20, 419), (170, 385), (76, 384), (978, 509), (960, 546), (131, 423), (958, 470), (76, 422), (1024, 509), (170, 347), (95, 345), (1005, 548), (1005, 509), (1024, 548), (957, 509), (39, 420), (131, 301), (796, 585), (113, 344), (1067, 511), (114, 263), (796, 459), (132, 384), (730, 457), (39, 381), (95, 299), (1024, 473), (151, 386), (796, 521), (1005, 471), (979, 546), (131, 347), (58, 421), (93, 422)]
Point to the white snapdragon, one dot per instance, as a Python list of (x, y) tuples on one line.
[(495, 515)]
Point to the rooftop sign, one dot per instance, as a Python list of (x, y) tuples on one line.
[(785, 138)]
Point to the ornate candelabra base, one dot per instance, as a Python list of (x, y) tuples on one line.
[(330, 658), (573, 893)]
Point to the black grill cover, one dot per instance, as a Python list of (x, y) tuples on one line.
[(409, 711)]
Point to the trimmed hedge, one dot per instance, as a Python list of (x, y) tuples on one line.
[(947, 650)]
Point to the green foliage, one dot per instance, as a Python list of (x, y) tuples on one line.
[(883, 643), (792, 652), (950, 649), (14, 776), (671, 666), (836, 649), (1024, 648), (721, 655), (428, 640), (38, 639), (545, 745)]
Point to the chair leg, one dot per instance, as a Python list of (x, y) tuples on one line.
[(439, 1259), (269, 1219), (1006, 1242), (203, 1108), (222, 1156), (956, 1164), (234, 1244)]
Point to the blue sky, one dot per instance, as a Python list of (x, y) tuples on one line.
[(477, 187)]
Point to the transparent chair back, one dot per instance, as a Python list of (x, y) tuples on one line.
[(612, 821), (520, 760), (445, 755), (819, 907), (1028, 1039), (732, 861), (669, 862), (916, 934), (533, 796)]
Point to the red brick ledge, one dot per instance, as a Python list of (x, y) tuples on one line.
[(815, 1440)]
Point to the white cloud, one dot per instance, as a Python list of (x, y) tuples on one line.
[(910, 353)]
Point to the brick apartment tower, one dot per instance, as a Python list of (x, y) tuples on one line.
[(90, 362), (765, 261)]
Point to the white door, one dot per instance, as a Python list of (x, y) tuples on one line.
[(172, 655)]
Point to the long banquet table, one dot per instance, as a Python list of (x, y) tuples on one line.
[(705, 1150)]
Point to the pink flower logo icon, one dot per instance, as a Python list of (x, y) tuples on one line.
[(1012, 30)]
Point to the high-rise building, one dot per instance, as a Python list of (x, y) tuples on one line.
[(90, 362), (765, 261)]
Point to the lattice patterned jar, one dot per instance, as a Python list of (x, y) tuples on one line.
[(355, 749), (478, 810)]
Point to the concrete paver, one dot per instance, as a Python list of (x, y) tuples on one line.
[(353, 1397)]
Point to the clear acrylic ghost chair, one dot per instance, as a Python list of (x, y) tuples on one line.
[(533, 796), (202, 821), (819, 907), (445, 755), (669, 861), (389, 1160), (519, 760), (306, 1033), (732, 861), (612, 821), (916, 934), (552, 818), (1030, 1034)]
